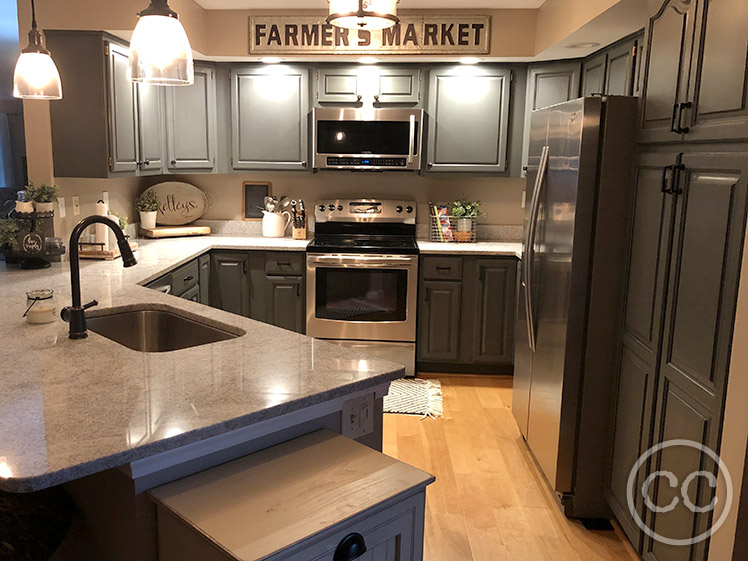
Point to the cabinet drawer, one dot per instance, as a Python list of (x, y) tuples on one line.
[(284, 263), (184, 278), (442, 268)]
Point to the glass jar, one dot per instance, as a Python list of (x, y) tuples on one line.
[(41, 306)]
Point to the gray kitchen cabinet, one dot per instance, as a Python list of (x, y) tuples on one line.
[(203, 265), (191, 142), (613, 70), (439, 321), (123, 128), (466, 314), (284, 302), (269, 117), (493, 320), (150, 119), (380, 86), (685, 247), (230, 287), (548, 84), (468, 120), (593, 75)]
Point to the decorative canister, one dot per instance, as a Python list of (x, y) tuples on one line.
[(41, 306)]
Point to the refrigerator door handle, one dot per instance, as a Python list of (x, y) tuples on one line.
[(530, 245)]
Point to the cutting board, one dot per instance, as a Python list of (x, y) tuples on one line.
[(175, 231), (86, 252)]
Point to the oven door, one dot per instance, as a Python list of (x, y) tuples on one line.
[(362, 297)]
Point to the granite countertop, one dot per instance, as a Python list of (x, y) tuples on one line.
[(72, 408)]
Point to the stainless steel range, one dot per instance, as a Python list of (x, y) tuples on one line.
[(362, 277)]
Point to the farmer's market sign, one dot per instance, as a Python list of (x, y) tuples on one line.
[(413, 35)]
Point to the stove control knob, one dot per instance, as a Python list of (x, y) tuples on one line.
[(409, 209), (331, 207), (340, 208), (322, 208), (398, 208)]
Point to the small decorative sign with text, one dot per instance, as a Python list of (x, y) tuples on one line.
[(467, 35)]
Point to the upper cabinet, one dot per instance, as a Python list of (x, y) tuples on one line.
[(191, 122), (269, 117), (367, 85), (593, 75), (548, 84), (613, 70), (468, 119), (695, 83)]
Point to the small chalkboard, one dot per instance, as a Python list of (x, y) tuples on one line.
[(253, 198)]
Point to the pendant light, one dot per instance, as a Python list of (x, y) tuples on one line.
[(160, 52), (363, 14), (36, 76)]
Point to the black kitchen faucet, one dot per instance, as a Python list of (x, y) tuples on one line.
[(76, 314)]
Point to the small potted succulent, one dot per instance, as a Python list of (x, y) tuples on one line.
[(147, 205), (466, 212), (44, 197)]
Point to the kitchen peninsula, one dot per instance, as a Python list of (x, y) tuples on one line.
[(109, 422)]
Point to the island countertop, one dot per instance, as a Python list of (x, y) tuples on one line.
[(72, 408)]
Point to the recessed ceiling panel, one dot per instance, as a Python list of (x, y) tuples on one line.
[(404, 4)]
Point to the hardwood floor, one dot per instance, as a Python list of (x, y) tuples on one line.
[(489, 501)]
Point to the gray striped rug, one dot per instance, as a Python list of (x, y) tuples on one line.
[(413, 396)]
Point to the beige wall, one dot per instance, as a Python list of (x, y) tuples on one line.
[(559, 18)]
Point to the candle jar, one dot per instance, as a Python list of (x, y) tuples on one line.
[(41, 306)]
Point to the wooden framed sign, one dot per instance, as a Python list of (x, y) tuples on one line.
[(306, 35), (253, 198)]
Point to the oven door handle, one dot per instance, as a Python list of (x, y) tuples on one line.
[(411, 138), (363, 261)]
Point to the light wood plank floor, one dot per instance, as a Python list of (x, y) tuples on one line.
[(489, 501)]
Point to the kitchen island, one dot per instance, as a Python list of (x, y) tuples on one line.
[(109, 423)]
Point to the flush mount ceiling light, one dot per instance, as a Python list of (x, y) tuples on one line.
[(582, 45), (368, 60), (469, 60), (160, 52), (363, 14), (271, 60), (36, 76)]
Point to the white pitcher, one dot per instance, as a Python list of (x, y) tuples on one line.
[(274, 224)]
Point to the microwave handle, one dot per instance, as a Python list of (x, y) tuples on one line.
[(411, 138)]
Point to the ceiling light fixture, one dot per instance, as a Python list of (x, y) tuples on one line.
[(368, 60), (582, 45), (271, 60), (36, 76), (160, 52), (363, 14), (469, 60)]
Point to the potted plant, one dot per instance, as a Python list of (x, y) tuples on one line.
[(466, 212), (9, 229), (147, 205), (44, 197)]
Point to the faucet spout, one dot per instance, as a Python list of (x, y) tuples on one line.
[(76, 314)]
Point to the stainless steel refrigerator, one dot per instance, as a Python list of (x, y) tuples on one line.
[(576, 217)]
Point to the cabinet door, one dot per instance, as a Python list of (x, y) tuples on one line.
[(593, 75), (123, 127), (548, 85), (619, 72), (398, 86), (718, 89), (269, 114), (284, 303), (439, 321), (150, 128), (469, 118), (191, 122), (649, 242), (338, 85), (698, 323), (669, 40), (493, 311), (203, 263), (230, 282)]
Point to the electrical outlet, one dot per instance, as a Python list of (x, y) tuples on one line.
[(76, 205), (358, 416), (524, 198), (61, 211), (105, 198)]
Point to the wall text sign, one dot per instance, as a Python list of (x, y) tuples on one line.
[(413, 35)]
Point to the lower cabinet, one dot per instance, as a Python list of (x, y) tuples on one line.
[(229, 288), (284, 303), (466, 314)]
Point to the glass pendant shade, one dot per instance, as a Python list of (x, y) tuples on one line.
[(36, 76), (160, 52), (363, 14)]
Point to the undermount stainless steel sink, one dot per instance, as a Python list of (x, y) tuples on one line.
[(156, 331)]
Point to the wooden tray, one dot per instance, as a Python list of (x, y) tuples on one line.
[(174, 231), (99, 254)]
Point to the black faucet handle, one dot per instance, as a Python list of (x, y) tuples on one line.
[(91, 304)]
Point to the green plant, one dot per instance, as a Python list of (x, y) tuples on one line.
[(147, 202), (9, 229), (43, 193), (122, 220), (463, 208)]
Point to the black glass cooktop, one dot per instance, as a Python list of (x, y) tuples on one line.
[(364, 244)]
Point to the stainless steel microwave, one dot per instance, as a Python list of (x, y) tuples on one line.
[(367, 138)]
